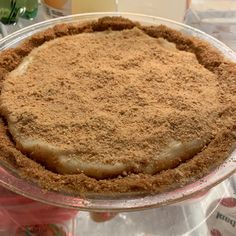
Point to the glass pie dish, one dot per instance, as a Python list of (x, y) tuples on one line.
[(10, 178)]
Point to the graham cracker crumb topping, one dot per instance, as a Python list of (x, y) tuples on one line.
[(114, 91)]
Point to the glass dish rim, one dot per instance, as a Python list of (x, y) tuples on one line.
[(34, 192)]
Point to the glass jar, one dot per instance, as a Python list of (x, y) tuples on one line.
[(57, 8)]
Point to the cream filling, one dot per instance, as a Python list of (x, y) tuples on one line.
[(68, 163)]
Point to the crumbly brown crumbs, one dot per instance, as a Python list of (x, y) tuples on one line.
[(220, 72)]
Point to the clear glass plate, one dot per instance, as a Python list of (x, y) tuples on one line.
[(11, 181)]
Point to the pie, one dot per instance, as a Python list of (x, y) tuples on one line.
[(112, 106)]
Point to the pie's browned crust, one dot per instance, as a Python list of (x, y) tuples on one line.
[(212, 156)]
